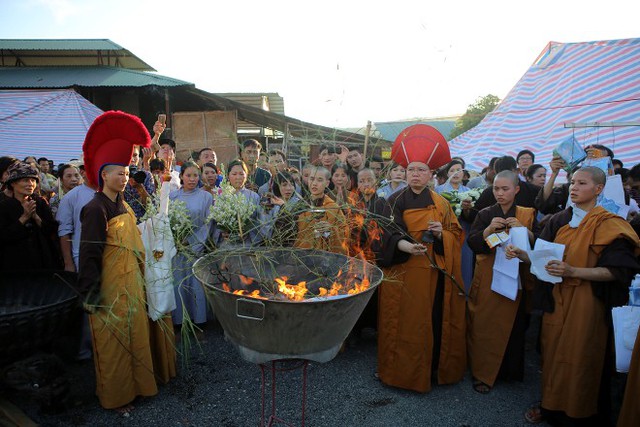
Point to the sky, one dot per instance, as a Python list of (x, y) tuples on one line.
[(336, 63)]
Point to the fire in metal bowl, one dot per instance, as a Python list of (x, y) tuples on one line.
[(263, 322)]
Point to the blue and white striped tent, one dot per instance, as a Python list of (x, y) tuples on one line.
[(44, 123), (574, 83)]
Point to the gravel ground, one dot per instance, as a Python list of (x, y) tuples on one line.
[(217, 388)]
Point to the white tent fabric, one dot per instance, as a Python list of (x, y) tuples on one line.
[(44, 123), (570, 83)]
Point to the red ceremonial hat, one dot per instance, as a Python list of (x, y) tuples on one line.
[(421, 143), (110, 141)]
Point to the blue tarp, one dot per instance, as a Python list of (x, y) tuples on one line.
[(581, 83), (44, 123)]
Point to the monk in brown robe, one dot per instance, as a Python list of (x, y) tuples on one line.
[(497, 325), (130, 352), (323, 226), (599, 260), (630, 412), (421, 327)]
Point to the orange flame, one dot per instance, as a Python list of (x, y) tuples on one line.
[(351, 285), (359, 287), (335, 290), (374, 232), (246, 281), (253, 294), (292, 292), (358, 220)]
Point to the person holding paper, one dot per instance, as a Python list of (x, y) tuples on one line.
[(525, 196), (497, 324), (552, 199), (600, 261)]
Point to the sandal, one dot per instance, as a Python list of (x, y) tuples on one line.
[(533, 415), (480, 387), (125, 410)]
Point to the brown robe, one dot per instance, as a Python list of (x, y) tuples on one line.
[(129, 350), (575, 335), (336, 242), (491, 315), (630, 412), (406, 302)]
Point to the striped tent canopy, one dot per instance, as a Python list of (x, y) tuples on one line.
[(44, 123), (572, 83)]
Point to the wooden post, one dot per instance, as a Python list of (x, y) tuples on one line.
[(366, 139)]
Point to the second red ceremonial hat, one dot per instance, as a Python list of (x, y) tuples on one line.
[(421, 143), (110, 141)]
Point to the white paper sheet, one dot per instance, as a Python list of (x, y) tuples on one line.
[(626, 321), (520, 237), (505, 275), (504, 285), (542, 253), (504, 265), (614, 189)]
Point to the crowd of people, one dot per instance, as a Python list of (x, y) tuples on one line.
[(436, 313)]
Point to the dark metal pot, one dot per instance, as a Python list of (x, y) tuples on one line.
[(265, 330), (35, 309)]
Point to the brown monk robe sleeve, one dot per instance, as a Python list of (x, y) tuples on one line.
[(92, 241), (619, 258), (395, 231), (476, 239)]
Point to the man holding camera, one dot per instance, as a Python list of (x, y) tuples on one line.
[(139, 187)]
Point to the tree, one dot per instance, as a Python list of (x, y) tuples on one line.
[(474, 114)]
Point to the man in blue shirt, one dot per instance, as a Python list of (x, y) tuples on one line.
[(68, 216)]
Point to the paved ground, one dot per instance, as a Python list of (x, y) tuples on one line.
[(217, 388)]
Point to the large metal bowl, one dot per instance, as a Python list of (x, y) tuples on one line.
[(35, 308), (266, 330)]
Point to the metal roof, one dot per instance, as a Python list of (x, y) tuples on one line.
[(65, 77), (67, 52), (297, 129), (273, 101)]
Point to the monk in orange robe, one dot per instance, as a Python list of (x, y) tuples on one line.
[(131, 353), (599, 260), (421, 326), (497, 325)]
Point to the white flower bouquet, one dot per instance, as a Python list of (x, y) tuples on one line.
[(455, 198), (179, 219), (231, 210)]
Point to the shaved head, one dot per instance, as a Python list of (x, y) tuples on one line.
[(509, 175), (597, 175)]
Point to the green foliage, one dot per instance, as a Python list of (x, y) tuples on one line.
[(474, 114)]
